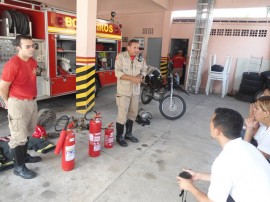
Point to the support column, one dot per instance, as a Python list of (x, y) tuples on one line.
[(85, 55), (166, 37)]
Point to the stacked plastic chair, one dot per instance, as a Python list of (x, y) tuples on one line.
[(218, 75)]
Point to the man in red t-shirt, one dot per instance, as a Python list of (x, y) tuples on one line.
[(178, 62), (18, 89)]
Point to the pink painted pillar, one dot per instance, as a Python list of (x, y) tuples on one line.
[(85, 55), (166, 37)]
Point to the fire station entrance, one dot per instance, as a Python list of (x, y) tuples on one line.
[(179, 44)]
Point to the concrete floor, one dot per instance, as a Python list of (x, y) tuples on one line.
[(141, 172)]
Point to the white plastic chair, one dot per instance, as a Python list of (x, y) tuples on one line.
[(212, 61), (220, 76)]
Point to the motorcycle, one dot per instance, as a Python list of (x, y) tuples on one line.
[(171, 106)]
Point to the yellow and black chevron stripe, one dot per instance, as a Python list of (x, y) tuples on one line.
[(163, 66), (85, 84)]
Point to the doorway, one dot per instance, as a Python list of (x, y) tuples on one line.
[(179, 44), (154, 52)]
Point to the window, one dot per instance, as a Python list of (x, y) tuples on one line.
[(228, 32), (244, 32), (253, 33), (262, 33), (236, 32), (220, 32)]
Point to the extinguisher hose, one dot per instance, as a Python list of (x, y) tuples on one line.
[(59, 124), (90, 114)]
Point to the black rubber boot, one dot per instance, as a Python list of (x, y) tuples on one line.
[(128, 135), (19, 165), (119, 135), (28, 158)]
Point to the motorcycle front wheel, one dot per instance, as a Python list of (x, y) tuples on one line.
[(147, 95), (172, 108)]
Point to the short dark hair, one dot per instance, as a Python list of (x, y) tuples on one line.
[(17, 41), (229, 121), (133, 41)]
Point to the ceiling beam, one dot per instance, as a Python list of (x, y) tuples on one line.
[(163, 3)]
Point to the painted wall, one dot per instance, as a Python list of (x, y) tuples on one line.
[(164, 3), (69, 5), (241, 3), (192, 4), (239, 47), (184, 5), (129, 7), (143, 6), (139, 14), (132, 26)]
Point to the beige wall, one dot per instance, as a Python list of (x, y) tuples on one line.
[(239, 47), (184, 5), (241, 3), (192, 4), (130, 7), (144, 6), (139, 14), (69, 5), (242, 47), (132, 26)]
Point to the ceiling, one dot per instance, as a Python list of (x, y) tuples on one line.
[(124, 7)]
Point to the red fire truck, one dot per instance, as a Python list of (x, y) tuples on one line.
[(54, 32)]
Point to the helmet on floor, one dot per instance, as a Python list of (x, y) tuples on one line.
[(39, 132)]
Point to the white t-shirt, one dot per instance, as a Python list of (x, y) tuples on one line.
[(241, 171), (262, 137)]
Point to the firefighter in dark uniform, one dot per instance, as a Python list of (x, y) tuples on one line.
[(130, 71)]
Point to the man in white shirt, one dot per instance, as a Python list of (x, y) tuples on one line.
[(240, 170)]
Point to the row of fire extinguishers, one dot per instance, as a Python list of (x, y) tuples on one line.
[(66, 141)]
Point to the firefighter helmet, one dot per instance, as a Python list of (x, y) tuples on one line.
[(40, 132)]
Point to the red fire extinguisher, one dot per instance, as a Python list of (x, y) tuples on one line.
[(66, 143), (108, 137), (95, 136)]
